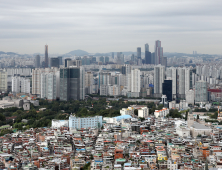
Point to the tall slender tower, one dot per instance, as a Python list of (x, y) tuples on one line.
[(46, 57), (158, 52), (139, 52), (147, 54)]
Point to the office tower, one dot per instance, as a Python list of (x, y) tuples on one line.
[(147, 55), (164, 61), (88, 82), (76, 63), (3, 81), (112, 55), (159, 76), (152, 58), (139, 52), (46, 57), (106, 59), (85, 60), (132, 57), (167, 89), (158, 52), (201, 94), (135, 80), (54, 62), (120, 58), (66, 61), (71, 83), (60, 60), (93, 59), (147, 47), (102, 59), (37, 61)]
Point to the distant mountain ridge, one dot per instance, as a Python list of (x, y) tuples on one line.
[(8, 53), (78, 53)]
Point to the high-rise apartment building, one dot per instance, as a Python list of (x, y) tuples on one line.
[(48, 86), (135, 80), (20, 84), (36, 79), (158, 52), (181, 81), (72, 83), (25, 85), (159, 76), (3, 80), (15, 84), (46, 57), (37, 61)]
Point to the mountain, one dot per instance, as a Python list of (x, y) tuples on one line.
[(8, 53), (78, 53)]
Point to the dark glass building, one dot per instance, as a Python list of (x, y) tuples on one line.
[(66, 60), (54, 62), (148, 57), (70, 83), (167, 89)]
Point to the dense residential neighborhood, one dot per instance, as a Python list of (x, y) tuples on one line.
[(126, 142)]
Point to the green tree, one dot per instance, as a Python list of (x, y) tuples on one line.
[(2, 117), (160, 107), (136, 112)]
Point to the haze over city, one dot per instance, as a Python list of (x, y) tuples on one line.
[(98, 26)]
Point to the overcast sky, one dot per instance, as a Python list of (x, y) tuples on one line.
[(110, 25)]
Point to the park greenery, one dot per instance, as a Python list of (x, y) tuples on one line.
[(34, 118)]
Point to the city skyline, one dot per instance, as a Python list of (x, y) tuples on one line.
[(110, 26)]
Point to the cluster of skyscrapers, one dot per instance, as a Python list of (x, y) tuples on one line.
[(141, 74)]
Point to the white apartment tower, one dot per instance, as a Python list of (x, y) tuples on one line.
[(135, 80), (159, 76), (16, 84)]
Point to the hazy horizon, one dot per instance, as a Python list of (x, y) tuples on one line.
[(98, 26)]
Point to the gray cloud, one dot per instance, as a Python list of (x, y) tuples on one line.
[(104, 26)]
